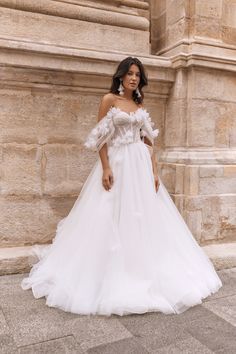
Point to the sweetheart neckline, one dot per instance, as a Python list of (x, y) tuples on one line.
[(128, 113)]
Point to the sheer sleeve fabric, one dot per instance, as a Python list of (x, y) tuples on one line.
[(147, 128), (101, 133)]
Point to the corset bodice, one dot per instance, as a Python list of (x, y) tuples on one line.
[(127, 127), (120, 128)]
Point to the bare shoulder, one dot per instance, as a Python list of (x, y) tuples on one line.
[(106, 103), (108, 99)]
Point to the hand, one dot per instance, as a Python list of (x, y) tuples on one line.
[(107, 179), (157, 182)]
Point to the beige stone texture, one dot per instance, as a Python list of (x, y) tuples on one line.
[(194, 222), (210, 8), (20, 169), (218, 217), (63, 174), (61, 30), (223, 255), (26, 220)]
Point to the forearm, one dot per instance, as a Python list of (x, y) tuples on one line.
[(153, 155), (104, 157), (154, 162)]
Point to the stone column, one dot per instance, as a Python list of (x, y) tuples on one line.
[(199, 158)]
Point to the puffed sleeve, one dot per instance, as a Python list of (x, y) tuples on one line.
[(101, 133), (147, 130)]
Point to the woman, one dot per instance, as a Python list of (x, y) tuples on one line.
[(124, 247)]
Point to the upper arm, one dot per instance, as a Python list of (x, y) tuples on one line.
[(147, 141), (106, 103)]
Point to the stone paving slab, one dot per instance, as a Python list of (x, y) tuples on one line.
[(66, 345), (29, 326)]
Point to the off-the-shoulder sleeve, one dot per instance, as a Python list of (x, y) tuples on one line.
[(101, 133), (147, 128)]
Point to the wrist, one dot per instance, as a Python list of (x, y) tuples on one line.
[(155, 171)]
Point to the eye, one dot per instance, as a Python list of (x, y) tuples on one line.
[(131, 73)]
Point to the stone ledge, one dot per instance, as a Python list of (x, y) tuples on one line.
[(36, 55), (18, 56), (20, 259), (183, 60), (198, 156), (112, 17), (16, 260), (222, 255), (209, 46)]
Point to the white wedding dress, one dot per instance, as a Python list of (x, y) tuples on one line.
[(127, 250)]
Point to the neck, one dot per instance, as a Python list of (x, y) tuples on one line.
[(128, 95)]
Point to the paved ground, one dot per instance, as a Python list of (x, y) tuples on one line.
[(28, 326)]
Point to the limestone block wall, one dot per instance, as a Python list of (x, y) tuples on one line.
[(44, 120), (99, 25), (199, 159), (176, 23), (56, 61)]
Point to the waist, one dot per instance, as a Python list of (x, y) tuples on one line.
[(124, 140)]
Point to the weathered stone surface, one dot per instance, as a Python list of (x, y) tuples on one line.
[(180, 86), (177, 31), (218, 217), (167, 172), (176, 10), (210, 8), (28, 220), (21, 169), (60, 345), (71, 32), (175, 125), (63, 173), (220, 185), (179, 183), (34, 116), (214, 84), (230, 171), (211, 171), (17, 259), (194, 222), (201, 124), (229, 13), (191, 180)]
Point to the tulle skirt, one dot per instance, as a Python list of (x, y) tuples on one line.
[(127, 250)]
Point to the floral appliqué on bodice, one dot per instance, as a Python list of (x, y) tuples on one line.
[(118, 128)]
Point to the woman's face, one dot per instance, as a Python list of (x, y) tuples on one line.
[(131, 80)]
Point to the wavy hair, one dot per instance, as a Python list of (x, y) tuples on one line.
[(122, 70)]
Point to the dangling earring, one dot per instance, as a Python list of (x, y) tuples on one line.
[(121, 88), (138, 92)]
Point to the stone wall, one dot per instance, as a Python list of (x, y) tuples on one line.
[(198, 162), (175, 22), (56, 61)]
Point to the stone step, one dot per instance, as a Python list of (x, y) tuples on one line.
[(20, 259), (222, 255)]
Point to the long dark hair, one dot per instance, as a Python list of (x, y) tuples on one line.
[(122, 70)]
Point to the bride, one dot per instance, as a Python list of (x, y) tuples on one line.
[(124, 247)]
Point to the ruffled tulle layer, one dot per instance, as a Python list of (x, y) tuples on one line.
[(123, 251)]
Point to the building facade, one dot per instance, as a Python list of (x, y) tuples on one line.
[(56, 61)]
